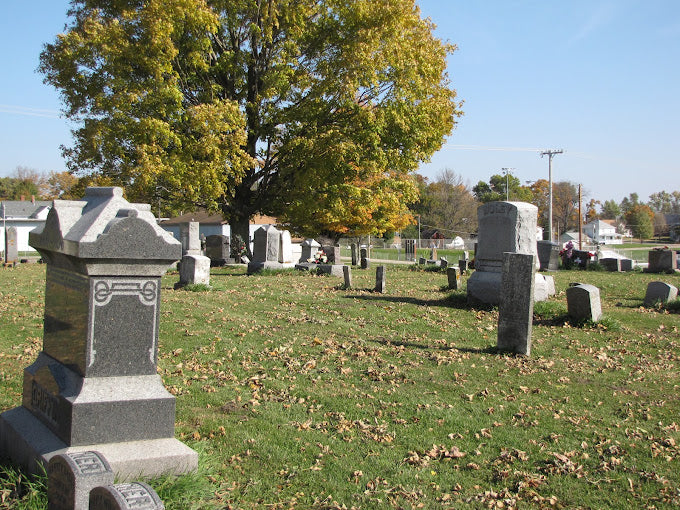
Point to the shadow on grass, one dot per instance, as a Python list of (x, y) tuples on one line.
[(403, 343), (456, 300)]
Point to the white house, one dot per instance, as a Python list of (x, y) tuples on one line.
[(212, 224), (602, 232), (24, 215)]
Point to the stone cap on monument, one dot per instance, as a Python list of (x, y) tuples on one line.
[(103, 232)]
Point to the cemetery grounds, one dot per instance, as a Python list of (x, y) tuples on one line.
[(298, 393)]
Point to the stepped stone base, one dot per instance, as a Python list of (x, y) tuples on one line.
[(30, 444)]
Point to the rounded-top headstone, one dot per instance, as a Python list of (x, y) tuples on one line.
[(71, 477), (125, 496)]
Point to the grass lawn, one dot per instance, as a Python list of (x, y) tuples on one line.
[(299, 394)]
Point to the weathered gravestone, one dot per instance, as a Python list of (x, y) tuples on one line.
[(662, 261), (365, 262), (462, 265), (347, 273), (332, 254), (194, 268), (309, 248), (443, 263), (453, 276), (583, 302), (433, 253), (125, 496), (611, 264), (422, 261), (190, 239), (626, 264), (267, 250), (548, 255), (95, 385), (660, 292), (71, 477), (11, 247), (516, 307), (503, 227), (380, 279), (218, 250), (285, 248)]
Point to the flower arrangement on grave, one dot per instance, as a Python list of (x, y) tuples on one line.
[(318, 258), (571, 257), (237, 247)]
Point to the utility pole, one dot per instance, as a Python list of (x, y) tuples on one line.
[(550, 153), (507, 183), (580, 218)]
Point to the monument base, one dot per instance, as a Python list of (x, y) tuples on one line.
[(484, 287), (331, 269), (30, 444), (254, 267)]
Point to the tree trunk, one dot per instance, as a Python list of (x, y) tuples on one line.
[(241, 226)]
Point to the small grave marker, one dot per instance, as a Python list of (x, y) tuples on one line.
[(347, 273), (660, 292), (71, 477), (453, 275), (125, 496), (380, 279), (11, 248), (583, 302)]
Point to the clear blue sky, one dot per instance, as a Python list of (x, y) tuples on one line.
[(597, 78)]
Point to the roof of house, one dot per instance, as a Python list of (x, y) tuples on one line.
[(601, 223), (206, 218), (23, 208), (569, 236)]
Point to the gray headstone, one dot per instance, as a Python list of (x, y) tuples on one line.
[(380, 279), (71, 477), (516, 308), (662, 261), (548, 255), (285, 248), (626, 264), (189, 236), (355, 254), (95, 383), (453, 275), (422, 261), (347, 273), (218, 249), (443, 262), (661, 292), (462, 265), (583, 302), (125, 496), (266, 242), (503, 227), (194, 269), (611, 264), (309, 249), (11, 247), (365, 262)]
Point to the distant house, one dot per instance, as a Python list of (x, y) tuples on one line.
[(571, 236), (212, 224), (24, 215), (602, 232)]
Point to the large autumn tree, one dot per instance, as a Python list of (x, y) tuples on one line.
[(315, 110)]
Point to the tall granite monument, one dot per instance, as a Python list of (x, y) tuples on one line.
[(503, 227), (94, 386)]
